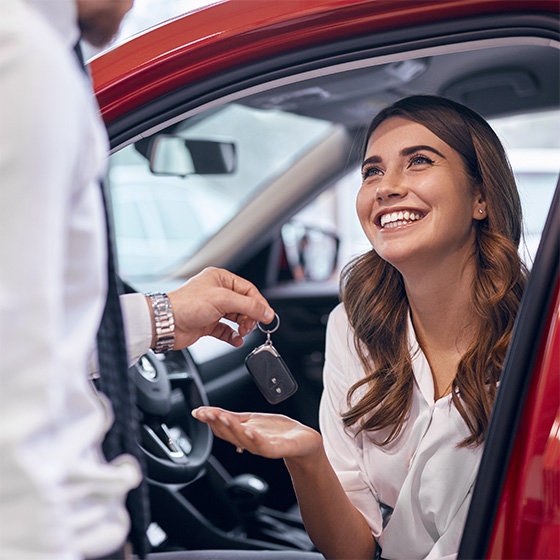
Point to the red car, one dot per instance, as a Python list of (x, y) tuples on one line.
[(234, 131)]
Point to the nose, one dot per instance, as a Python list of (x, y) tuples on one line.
[(391, 185)]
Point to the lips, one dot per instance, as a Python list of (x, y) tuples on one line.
[(399, 218)]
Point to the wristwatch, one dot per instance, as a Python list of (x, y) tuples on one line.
[(163, 321)]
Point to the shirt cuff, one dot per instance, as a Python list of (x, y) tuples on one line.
[(137, 325)]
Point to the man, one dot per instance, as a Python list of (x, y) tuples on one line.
[(59, 498)]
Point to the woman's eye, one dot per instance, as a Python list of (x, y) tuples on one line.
[(420, 160), (370, 171)]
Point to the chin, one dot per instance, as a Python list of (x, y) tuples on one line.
[(396, 255)]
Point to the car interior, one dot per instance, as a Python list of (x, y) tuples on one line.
[(276, 206)]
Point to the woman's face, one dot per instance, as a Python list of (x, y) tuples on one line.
[(417, 203)]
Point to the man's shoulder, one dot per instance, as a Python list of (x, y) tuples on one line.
[(32, 48)]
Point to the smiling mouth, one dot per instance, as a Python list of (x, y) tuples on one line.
[(401, 218)]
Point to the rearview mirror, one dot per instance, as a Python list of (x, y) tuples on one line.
[(178, 156)]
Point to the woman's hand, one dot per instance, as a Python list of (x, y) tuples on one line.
[(270, 435), (336, 527)]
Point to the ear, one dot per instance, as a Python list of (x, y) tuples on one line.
[(479, 207)]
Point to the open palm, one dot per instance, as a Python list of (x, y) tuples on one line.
[(270, 435)]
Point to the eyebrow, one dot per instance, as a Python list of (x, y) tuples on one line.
[(405, 152)]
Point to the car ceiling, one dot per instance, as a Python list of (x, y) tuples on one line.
[(495, 82)]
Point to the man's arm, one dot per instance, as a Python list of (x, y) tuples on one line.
[(198, 308)]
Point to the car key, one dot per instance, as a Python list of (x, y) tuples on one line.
[(269, 371)]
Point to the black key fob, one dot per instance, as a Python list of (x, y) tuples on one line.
[(268, 370), (270, 373)]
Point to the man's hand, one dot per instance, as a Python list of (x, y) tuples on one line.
[(215, 294)]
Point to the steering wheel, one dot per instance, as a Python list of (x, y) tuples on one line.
[(174, 444)]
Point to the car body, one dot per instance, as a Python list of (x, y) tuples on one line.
[(293, 84)]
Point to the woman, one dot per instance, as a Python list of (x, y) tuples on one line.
[(415, 350)]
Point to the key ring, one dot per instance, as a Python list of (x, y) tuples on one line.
[(268, 332)]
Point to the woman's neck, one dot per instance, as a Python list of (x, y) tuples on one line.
[(440, 301)]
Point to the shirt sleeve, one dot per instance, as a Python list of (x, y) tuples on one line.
[(343, 448), (137, 331)]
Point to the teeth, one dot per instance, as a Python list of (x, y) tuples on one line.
[(400, 218), (395, 224)]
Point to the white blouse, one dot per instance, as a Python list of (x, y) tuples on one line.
[(422, 475)]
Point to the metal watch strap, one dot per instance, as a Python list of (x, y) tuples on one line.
[(163, 321)]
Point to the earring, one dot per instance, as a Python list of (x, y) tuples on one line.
[(480, 211)]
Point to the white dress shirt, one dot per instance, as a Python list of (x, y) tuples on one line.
[(422, 475), (59, 499)]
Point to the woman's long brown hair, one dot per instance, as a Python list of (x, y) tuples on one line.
[(375, 300)]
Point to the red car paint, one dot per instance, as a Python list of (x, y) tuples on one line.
[(528, 521), (199, 45)]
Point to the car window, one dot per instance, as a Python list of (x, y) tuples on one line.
[(161, 220), (165, 224), (533, 146)]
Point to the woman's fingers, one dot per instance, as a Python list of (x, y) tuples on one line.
[(258, 433), (238, 433), (225, 425), (210, 414)]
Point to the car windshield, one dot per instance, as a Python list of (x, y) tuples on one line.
[(162, 220)]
